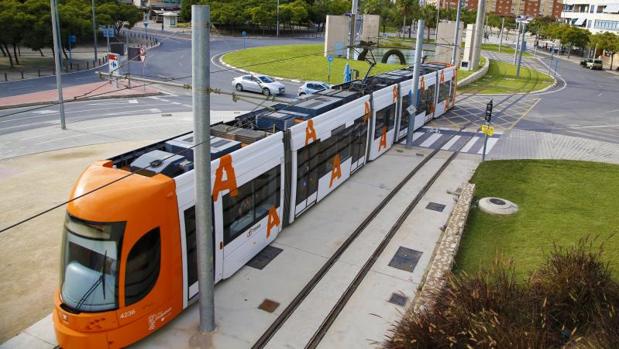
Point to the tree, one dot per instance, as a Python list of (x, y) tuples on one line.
[(185, 13), (117, 15), (572, 36), (408, 9), (385, 9), (14, 23), (608, 42), (428, 13)]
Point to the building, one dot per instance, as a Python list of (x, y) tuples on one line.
[(158, 4), (595, 15), (532, 8)]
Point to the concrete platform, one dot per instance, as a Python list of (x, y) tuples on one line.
[(306, 245)]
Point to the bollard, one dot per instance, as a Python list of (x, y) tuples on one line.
[(39, 72), (6, 78), (87, 65), (22, 75), (70, 66)]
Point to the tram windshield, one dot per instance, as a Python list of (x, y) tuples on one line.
[(89, 274)]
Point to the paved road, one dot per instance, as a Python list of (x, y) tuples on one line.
[(171, 60)]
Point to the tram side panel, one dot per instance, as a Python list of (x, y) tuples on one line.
[(325, 151), (444, 96), (382, 132)]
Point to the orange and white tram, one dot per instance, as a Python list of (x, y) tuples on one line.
[(129, 263)]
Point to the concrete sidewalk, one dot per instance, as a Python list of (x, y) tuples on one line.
[(95, 90)]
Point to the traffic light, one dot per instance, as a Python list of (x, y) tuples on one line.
[(488, 115)]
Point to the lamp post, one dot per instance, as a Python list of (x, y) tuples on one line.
[(277, 29)]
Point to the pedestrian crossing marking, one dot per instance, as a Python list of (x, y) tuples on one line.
[(451, 142), (489, 145), (428, 142)]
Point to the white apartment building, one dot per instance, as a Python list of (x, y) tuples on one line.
[(595, 15)]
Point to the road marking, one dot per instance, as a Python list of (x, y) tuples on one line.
[(593, 126), (450, 143), (469, 145), (154, 110), (416, 135), (428, 142), (489, 145), (44, 111), (176, 103), (187, 106), (133, 101)]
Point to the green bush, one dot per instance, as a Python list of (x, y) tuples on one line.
[(571, 301)]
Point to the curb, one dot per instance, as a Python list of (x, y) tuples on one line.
[(476, 75), (221, 61), (53, 103)]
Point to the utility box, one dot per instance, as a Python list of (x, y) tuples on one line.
[(468, 49)]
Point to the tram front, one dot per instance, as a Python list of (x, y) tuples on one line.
[(120, 262)]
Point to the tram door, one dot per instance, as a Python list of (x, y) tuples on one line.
[(308, 162), (187, 227)]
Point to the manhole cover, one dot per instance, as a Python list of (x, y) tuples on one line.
[(435, 207), (265, 257), (268, 305), (405, 259), (398, 299), (497, 201)]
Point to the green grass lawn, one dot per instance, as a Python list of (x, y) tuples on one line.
[(560, 202), (501, 78), (304, 62), (504, 49)]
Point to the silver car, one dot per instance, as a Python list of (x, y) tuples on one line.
[(259, 83), (312, 87)]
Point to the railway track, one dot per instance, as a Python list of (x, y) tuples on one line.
[(343, 299)]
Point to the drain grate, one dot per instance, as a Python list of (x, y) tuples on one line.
[(405, 259), (434, 206), (265, 257), (268, 305), (398, 299)]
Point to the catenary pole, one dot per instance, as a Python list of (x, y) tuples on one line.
[(479, 32), (94, 29), (524, 30), (277, 29), (454, 55), (416, 69), (501, 33), (517, 43), (353, 22), (200, 70), (57, 58)]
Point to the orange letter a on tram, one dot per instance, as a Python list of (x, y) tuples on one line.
[(273, 220), (221, 184), (383, 139), (310, 132), (336, 171)]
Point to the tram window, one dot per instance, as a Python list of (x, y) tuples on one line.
[(251, 204), (443, 92), (359, 135), (328, 149), (384, 118), (307, 171), (406, 102), (421, 101), (190, 238), (142, 267)]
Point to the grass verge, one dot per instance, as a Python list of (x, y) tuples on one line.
[(504, 49), (465, 73), (560, 202), (501, 79), (303, 62)]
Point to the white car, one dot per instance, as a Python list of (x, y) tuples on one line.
[(312, 87), (259, 83)]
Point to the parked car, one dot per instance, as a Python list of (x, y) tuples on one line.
[(258, 83), (595, 64), (585, 61), (310, 87)]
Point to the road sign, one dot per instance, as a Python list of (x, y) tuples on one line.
[(108, 32), (142, 54), (411, 110), (330, 58), (113, 64), (487, 130)]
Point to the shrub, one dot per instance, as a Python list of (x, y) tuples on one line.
[(570, 302)]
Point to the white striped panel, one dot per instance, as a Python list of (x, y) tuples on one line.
[(489, 145), (469, 145), (451, 142), (416, 135), (428, 142)]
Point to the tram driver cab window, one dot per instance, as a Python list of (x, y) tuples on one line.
[(142, 267)]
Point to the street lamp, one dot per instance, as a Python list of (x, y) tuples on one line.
[(277, 11)]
